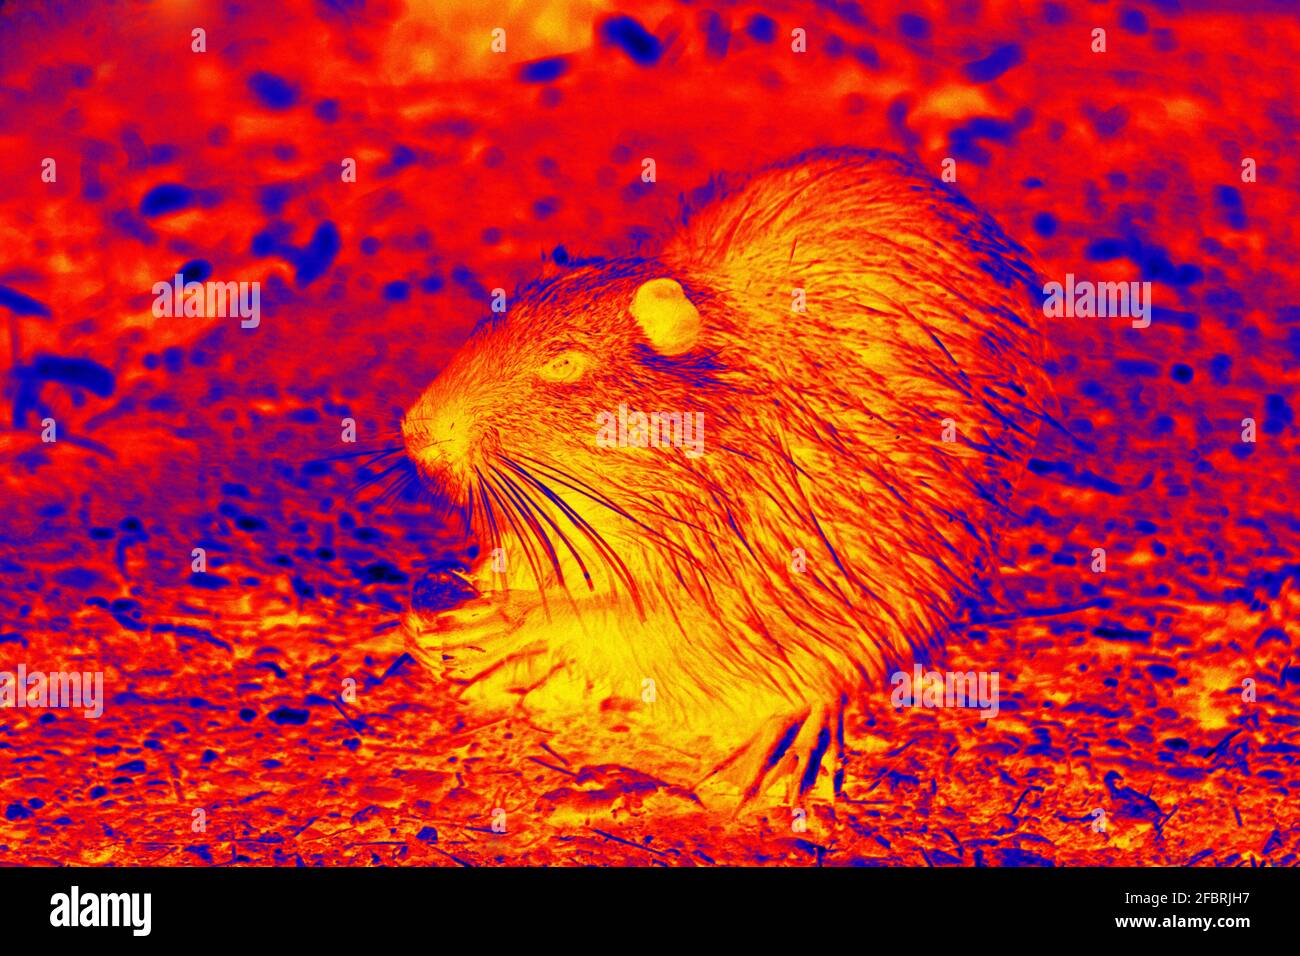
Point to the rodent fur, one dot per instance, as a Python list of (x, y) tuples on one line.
[(823, 439)]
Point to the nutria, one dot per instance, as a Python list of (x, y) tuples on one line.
[(850, 349)]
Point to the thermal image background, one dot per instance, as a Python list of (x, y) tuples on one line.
[(1162, 692)]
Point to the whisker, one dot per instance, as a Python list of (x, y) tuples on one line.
[(398, 488), (525, 546), (538, 532), (607, 553), (527, 501), (488, 515), (372, 453), (574, 484)]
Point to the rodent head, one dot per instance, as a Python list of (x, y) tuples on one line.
[(527, 389)]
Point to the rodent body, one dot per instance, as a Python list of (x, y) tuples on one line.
[(822, 532)]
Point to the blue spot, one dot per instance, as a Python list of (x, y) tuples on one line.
[(16, 811), (381, 572), (20, 304), (1109, 122), (1138, 367), (849, 11), (431, 284), (169, 197), (313, 260), (402, 156), (162, 153), (273, 196), (963, 140), (196, 270), (327, 110), (1221, 369), (1069, 476), (914, 26), (717, 35), (81, 372), (370, 245), (1156, 265), (1181, 373), (897, 116), (1134, 21), (463, 276), (761, 28), (397, 291), (1103, 250), (82, 579), (644, 48), (1045, 224), (288, 715), (1277, 413), (989, 127), (274, 91), (962, 147), (173, 358), (544, 71), (130, 224), (1163, 316), (867, 56), (995, 64), (545, 207), (1011, 856), (270, 240), (91, 187), (1229, 200), (137, 156), (491, 235)]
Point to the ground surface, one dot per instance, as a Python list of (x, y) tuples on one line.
[(226, 691)]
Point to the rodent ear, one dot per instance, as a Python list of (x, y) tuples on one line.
[(669, 320)]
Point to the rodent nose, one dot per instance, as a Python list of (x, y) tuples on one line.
[(438, 440)]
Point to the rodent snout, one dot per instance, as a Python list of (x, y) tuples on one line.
[(440, 441)]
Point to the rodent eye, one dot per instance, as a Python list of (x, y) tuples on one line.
[(568, 366)]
